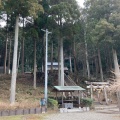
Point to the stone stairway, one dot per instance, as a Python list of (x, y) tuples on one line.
[(107, 109), (103, 107), (68, 81)]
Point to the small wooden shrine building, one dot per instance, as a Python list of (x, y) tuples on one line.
[(69, 89)]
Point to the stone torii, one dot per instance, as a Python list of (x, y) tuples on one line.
[(98, 86)]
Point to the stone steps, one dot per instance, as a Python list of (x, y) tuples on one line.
[(101, 107), (65, 110)]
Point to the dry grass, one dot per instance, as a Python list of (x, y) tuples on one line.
[(23, 117), (115, 87), (26, 96)]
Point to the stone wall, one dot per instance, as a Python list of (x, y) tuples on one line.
[(23, 111)]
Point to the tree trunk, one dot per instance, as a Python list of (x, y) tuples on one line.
[(22, 55), (105, 52), (59, 80), (96, 66), (9, 56), (84, 68), (52, 57), (34, 64), (18, 58), (14, 67), (100, 65), (116, 65), (86, 55), (23, 49), (62, 62), (5, 57), (70, 63), (74, 52), (110, 61)]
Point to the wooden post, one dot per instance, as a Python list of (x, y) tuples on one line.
[(82, 95), (79, 98), (118, 97), (71, 96), (56, 95), (91, 91), (98, 95), (105, 93), (62, 99)]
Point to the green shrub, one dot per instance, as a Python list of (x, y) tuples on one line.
[(52, 103), (87, 102)]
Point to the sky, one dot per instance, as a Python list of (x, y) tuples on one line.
[(80, 2)]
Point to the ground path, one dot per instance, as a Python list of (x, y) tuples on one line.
[(92, 115), (108, 113)]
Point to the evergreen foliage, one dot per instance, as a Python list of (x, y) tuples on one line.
[(96, 26)]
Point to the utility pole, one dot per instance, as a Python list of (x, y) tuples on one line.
[(46, 67)]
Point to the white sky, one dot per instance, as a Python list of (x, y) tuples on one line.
[(80, 2)]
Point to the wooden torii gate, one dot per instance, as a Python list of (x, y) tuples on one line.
[(98, 86)]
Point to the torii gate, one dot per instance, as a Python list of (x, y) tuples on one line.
[(98, 86)]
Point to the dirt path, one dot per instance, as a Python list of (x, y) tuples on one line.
[(92, 115)]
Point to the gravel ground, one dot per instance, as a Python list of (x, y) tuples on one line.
[(92, 115)]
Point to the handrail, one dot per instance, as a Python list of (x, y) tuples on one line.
[(73, 83), (70, 80)]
